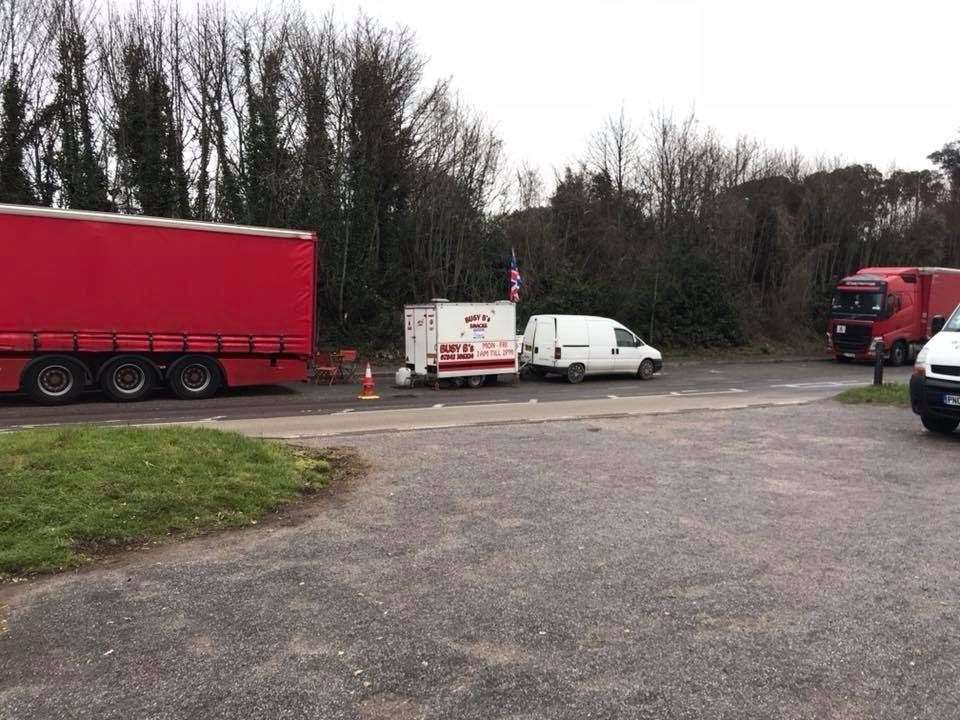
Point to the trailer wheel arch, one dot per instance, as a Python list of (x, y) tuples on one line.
[(88, 377), (127, 356), (217, 380), (71, 393)]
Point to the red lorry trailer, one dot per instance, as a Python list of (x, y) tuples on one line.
[(127, 303), (893, 303)]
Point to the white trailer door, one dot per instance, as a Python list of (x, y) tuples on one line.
[(409, 337), (420, 341)]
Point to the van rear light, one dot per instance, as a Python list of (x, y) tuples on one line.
[(556, 353)]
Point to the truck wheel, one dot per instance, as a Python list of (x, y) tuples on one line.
[(646, 369), (898, 353), (55, 380), (128, 379), (475, 381), (944, 426), (194, 378), (575, 373)]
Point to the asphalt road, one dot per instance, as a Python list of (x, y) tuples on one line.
[(782, 562), (776, 378)]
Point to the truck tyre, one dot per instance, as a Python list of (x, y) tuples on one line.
[(844, 359), (128, 379), (55, 380), (475, 381), (646, 369), (575, 373), (194, 378), (944, 426), (899, 353)]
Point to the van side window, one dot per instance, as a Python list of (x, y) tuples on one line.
[(624, 338)]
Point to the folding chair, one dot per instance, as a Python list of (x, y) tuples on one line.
[(325, 369), (349, 365)]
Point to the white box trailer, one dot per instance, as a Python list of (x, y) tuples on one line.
[(472, 341)]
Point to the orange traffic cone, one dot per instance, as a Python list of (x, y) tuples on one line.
[(366, 391)]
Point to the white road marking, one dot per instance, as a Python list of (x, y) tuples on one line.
[(821, 384), (217, 417), (714, 372), (344, 411), (483, 402), (690, 393), (613, 397), (533, 401), (438, 405)]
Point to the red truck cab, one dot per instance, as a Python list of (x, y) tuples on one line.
[(895, 304)]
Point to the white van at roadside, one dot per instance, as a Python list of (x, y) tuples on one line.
[(580, 345), (935, 384)]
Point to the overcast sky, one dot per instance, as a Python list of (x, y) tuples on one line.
[(872, 81)]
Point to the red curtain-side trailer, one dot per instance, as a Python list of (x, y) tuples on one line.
[(127, 303)]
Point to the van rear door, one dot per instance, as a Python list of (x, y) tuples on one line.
[(603, 346)]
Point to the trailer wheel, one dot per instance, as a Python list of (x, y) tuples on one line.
[(898, 353), (128, 379), (194, 378), (475, 381), (645, 372), (55, 380), (575, 373)]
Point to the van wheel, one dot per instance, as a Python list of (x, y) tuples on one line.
[(646, 369), (128, 379), (898, 353), (944, 426), (575, 373), (194, 378), (55, 380), (475, 381)]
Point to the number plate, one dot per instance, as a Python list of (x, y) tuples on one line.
[(840, 329), (951, 400)]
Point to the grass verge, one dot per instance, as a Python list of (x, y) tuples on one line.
[(896, 394), (67, 494)]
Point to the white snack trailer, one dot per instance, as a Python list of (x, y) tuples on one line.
[(461, 341)]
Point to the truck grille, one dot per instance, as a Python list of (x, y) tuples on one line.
[(945, 369), (855, 340)]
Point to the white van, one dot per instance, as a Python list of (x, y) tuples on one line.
[(935, 384), (579, 345)]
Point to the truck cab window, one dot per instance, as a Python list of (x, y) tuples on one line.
[(624, 338)]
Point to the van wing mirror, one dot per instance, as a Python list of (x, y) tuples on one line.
[(936, 325)]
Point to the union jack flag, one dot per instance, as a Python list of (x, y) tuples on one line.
[(515, 281)]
